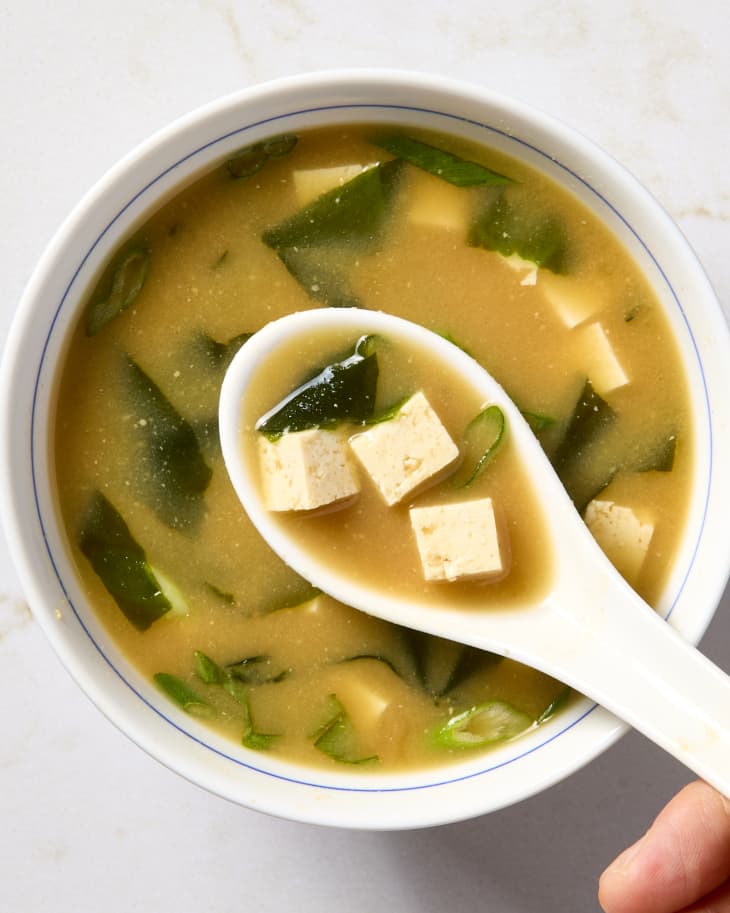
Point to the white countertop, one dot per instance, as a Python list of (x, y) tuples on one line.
[(89, 822)]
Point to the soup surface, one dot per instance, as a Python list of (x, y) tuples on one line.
[(459, 238)]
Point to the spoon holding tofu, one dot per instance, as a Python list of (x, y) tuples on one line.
[(581, 623)]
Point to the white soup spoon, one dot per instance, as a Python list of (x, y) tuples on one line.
[(590, 630)]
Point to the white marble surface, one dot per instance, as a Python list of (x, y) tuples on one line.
[(88, 822)]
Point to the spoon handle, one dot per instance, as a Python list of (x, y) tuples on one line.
[(632, 662)]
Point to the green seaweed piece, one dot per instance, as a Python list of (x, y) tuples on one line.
[(442, 665), (296, 593), (320, 275), (387, 412), (659, 458), (119, 290), (255, 670), (442, 164), (352, 214), (376, 657), (341, 391), (222, 595), (121, 563), (177, 475), (590, 419), (219, 355), (509, 229)]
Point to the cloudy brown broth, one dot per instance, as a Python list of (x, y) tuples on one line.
[(294, 673)]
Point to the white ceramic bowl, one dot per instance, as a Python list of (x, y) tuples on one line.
[(50, 308)]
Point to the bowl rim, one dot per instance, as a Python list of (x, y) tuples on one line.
[(343, 85)]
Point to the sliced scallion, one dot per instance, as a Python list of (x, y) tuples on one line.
[(482, 437), (116, 294), (337, 737), (556, 704), (481, 725), (207, 669), (247, 161), (439, 162), (183, 695)]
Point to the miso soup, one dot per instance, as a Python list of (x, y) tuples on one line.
[(456, 237)]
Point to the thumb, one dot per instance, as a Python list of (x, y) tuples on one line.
[(683, 856)]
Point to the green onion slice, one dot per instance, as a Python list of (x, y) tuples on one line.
[(483, 724), (183, 695), (251, 159), (129, 272), (337, 737), (482, 437), (442, 164)]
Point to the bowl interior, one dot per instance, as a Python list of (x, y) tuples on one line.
[(121, 202)]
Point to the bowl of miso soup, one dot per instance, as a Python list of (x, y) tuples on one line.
[(468, 213)]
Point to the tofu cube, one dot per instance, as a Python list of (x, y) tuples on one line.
[(601, 364), (403, 453), (373, 696), (304, 470), (436, 203), (520, 265), (460, 541), (311, 183), (621, 535), (572, 301)]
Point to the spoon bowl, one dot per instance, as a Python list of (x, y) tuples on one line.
[(588, 628)]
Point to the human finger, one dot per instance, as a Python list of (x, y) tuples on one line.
[(684, 856)]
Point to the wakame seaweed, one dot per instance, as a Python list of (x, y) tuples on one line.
[(590, 418), (219, 355), (353, 213), (174, 475), (121, 563), (443, 665), (319, 242), (509, 229), (320, 275), (445, 165), (341, 391), (255, 670)]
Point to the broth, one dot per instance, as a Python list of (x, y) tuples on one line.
[(517, 273)]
